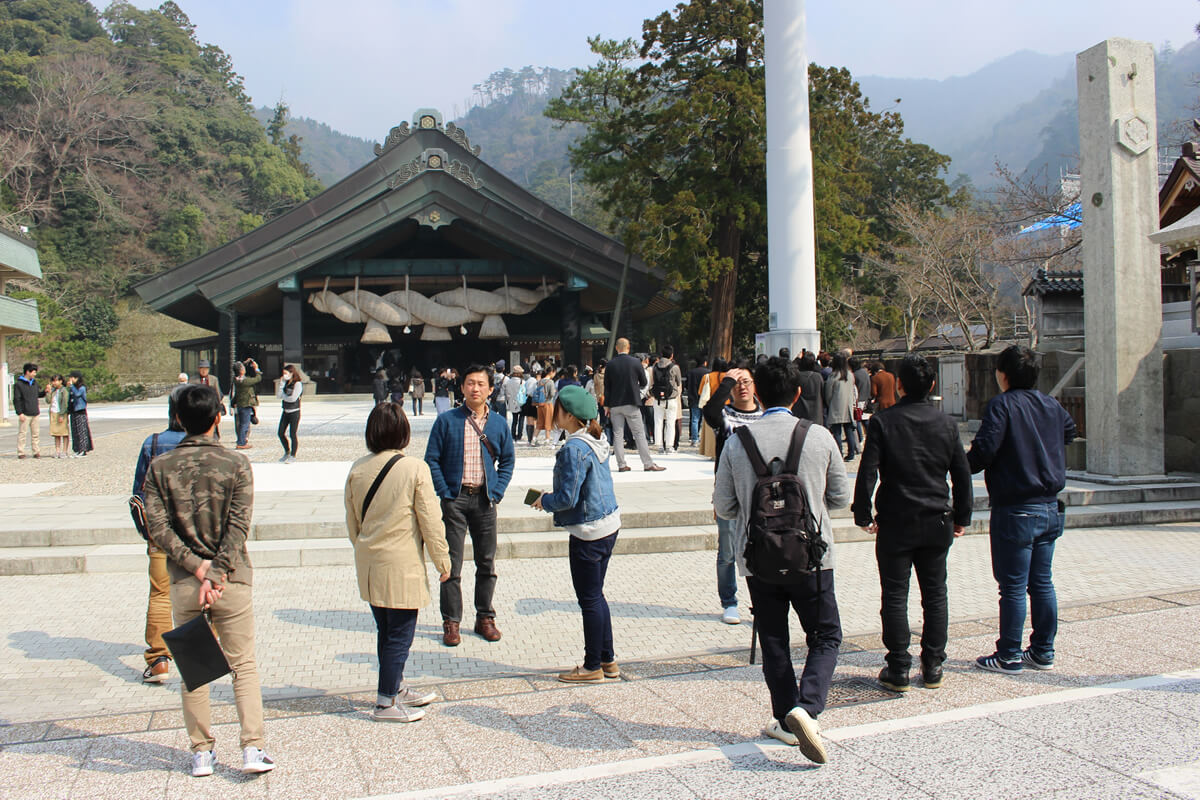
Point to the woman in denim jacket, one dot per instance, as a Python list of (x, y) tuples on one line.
[(584, 503)]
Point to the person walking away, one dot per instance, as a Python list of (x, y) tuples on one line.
[(595, 387), (543, 399), (158, 605), (246, 378), (499, 400), (57, 402), (647, 400), (708, 439), (291, 386), (471, 457), (515, 397), (441, 392), (379, 386), (1021, 450), (794, 707), (862, 385), (730, 407), (624, 381), (584, 503), (840, 397), (28, 406), (204, 377), (883, 387), (695, 380), (666, 390), (811, 405), (392, 518), (199, 501), (416, 390), (911, 447), (529, 410), (81, 431)]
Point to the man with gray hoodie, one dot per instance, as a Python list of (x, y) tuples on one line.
[(794, 707)]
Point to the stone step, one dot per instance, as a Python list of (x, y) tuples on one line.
[(326, 520), (272, 553)]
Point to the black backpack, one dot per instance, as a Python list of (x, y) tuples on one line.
[(661, 388), (783, 537)]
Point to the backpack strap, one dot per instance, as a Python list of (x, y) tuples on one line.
[(752, 451), (799, 434), (378, 482)]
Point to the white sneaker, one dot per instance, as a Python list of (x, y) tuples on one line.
[(256, 760), (808, 734), (777, 731), (731, 617), (202, 763), (413, 697), (399, 713)]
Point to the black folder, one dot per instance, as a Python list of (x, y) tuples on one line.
[(196, 652)]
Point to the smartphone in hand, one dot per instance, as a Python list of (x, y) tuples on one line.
[(531, 496)]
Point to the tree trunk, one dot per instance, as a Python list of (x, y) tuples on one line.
[(729, 242)]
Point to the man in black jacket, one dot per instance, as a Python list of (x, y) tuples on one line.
[(25, 403), (912, 446), (811, 405), (695, 377), (1021, 448), (624, 379)]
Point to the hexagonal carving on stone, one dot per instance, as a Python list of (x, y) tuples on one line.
[(1134, 133)]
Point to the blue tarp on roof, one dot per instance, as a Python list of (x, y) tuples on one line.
[(1069, 219)]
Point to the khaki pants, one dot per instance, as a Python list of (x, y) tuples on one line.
[(233, 618), (158, 609), (28, 427)]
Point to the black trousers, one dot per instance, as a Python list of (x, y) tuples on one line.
[(288, 424), (816, 606), (474, 513), (897, 557)]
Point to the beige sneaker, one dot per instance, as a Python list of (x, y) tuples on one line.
[(610, 670), (777, 731), (581, 675), (808, 734), (401, 713)]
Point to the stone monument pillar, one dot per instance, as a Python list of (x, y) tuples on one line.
[(791, 241), (1122, 298)]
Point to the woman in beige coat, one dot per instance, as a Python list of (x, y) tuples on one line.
[(402, 519)]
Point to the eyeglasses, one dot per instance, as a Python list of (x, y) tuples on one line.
[(746, 383)]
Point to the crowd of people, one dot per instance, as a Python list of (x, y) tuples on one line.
[(780, 470)]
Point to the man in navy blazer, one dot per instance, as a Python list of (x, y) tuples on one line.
[(470, 453)]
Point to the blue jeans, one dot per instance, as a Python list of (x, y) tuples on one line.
[(395, 636), (243, 423), (838, 429), (589, 565), (726, 562), (1022, 538), (694, 420)]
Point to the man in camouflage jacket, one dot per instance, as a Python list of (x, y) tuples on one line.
[(199, 499)]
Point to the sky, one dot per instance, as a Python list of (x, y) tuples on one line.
[(362, 66)]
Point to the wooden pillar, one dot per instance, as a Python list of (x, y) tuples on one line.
[(226, 348), (572, 340), (293, 330)]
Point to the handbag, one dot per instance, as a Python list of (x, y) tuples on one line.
[(196, 652), (137, 506)]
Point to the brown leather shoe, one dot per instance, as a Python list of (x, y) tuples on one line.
[(655, 468), (486, 627), (624, 469), (450, 635)]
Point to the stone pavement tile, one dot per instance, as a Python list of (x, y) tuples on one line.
[(401, 757), (785, 772), (655, 727), (486, 742), (52, 767), (651, 785), (1191, 598), (1115, 731), (469, 690), (314, 758), (1180, 698), (1083, 612), (1136, 604), (655, 669), (1117, 788), (974, 758), (133, 765), (298, 706), (970, 628), (23, 732), (734, 711), (99, 726)]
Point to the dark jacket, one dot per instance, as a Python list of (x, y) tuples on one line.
[(811, 405), (911, 446), (1021, 447), (624, 379), (245, 391), (695, 378), (724, 419), (25, 397), (444, 453), (379, 389)]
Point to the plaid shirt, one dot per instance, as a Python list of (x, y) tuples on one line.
[(472, 452)]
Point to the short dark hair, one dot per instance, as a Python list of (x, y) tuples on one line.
[(196, 408), (668, 351), (916, 376), (785, 353), (471, 370), (776, 381), (720, 365), (855, 363), (29, 367), (1019, 365), (388, 428), (808, 363)]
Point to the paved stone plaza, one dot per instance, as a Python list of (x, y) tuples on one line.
[(1119, 717)]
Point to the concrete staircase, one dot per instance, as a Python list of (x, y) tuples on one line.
[(300, 529)]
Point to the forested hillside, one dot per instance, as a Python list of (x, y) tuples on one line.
[(127, 147), (330, 154)]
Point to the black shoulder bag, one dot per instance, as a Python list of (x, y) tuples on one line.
[(378, 482), (482, 436), (137, 507)]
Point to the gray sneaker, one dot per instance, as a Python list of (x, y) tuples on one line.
[(255, 760), (202, 763), (414, 697), (399, 713)]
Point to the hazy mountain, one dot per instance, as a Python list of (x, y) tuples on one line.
[(331, 154)]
